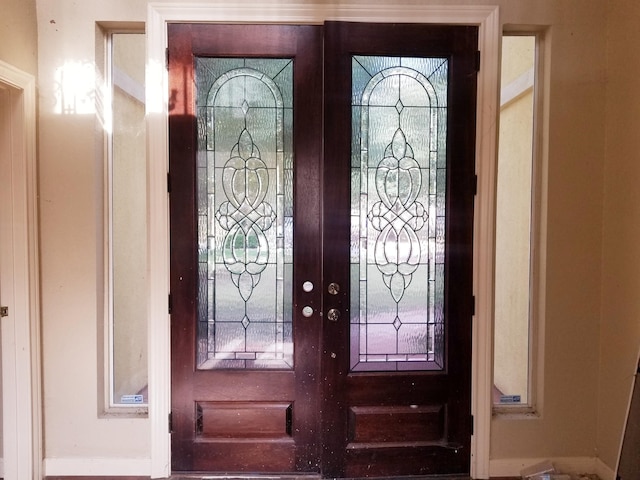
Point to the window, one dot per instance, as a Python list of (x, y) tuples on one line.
[(126, 233), (519, 213)]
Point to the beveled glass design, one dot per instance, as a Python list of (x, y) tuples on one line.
[(398, 183), (245, 212)]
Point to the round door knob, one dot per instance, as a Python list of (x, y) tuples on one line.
[(333, 314)]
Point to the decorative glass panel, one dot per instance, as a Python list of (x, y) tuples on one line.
[(245, 212), (398, 179)]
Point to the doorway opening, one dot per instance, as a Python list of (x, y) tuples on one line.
[(351, 386), (21, 403)]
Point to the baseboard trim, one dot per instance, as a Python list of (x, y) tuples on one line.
[(604, 471), (97, 467), (110, 477), (140, 467), (511, 467)]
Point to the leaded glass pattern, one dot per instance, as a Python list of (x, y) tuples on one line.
[(245, 212), (398, 186)]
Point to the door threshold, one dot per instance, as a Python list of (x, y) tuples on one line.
[(225, 476), (306, 476)]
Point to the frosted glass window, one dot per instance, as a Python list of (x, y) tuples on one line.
[(398, 186), (127, 224), (515, 224), (245, 212)]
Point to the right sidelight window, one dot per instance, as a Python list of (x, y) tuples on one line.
[(519, 225)]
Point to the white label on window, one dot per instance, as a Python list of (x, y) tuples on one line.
[(131, 399)]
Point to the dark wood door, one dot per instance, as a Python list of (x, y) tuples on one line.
[(398, 224), (242, 398), (355, 264)]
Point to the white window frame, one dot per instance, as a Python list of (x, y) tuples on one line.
[(538, 246), (107, 407), (158, 16)]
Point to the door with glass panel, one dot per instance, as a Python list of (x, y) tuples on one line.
[(321, 237), (244, 192), (397, 228)]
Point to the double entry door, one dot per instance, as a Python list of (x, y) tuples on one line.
[(321, 203)]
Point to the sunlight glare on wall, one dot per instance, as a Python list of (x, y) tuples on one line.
[(75, 88)]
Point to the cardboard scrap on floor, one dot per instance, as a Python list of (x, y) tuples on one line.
[(546, 471)]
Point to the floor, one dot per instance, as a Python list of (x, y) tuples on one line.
[(306, 477), (253, 477)]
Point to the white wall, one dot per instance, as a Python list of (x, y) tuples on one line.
[(70, 196)]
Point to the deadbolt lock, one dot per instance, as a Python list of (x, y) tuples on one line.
[(333, 288), (333, 314)]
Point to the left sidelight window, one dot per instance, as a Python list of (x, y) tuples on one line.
[(125, 221)]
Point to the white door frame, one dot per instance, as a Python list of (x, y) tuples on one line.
[(158, 16), (21, 393)]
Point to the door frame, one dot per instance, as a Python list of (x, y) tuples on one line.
[(21, 371), (486, 17)]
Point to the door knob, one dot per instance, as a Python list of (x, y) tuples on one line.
[(333, 314)]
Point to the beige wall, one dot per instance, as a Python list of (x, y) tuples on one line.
[(567, 422), (620, 330), (71, 234), (70, 197), (18, 34)]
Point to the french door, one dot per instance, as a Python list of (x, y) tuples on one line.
[(321, 204)]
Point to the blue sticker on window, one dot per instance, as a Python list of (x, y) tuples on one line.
[(131, 399), (510, 398)]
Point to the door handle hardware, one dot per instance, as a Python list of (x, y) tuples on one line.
[(4, 311), (333, 314), (307, 311), (333, 288)]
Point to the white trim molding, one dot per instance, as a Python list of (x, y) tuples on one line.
[(99, 467), (22, 405), (486, 17), (517, 87)]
